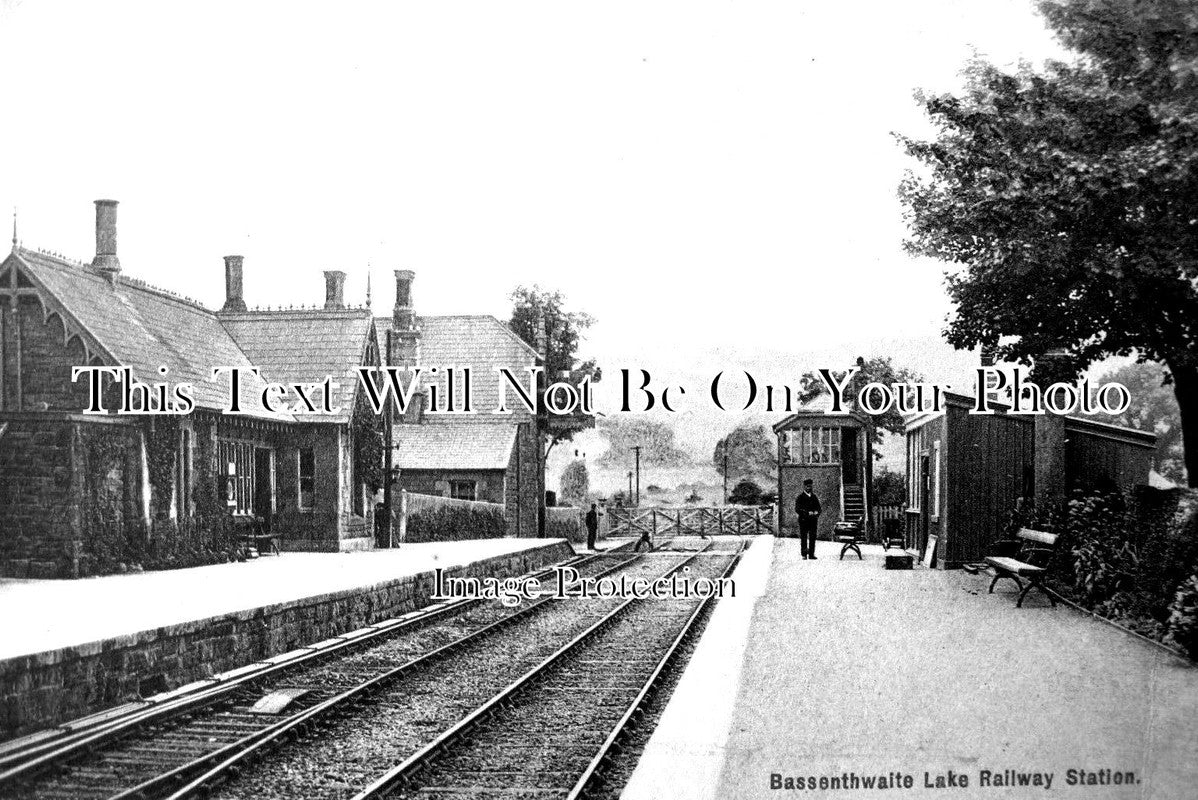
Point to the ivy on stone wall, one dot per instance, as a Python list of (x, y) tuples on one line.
[(162, 448), (368, 446)]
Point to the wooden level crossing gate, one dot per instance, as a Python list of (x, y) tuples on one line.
[(690, 521)]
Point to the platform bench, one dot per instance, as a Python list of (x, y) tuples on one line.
[(849, 535), (1027, 556)]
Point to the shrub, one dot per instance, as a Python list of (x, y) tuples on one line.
[(450, 523), (1183, 616), (1137, 564)]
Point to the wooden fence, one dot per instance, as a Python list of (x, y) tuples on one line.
[(690, 521), (878, 517)]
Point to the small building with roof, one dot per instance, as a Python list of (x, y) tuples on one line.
[(835, 451)]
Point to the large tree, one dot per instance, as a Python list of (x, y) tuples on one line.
[(1065, 197), (540, 318)]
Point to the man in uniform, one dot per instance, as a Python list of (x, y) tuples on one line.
[(807, 508)]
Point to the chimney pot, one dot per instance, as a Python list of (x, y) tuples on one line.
[(234, 290), (404, 317), (106, 258), (334, 289)]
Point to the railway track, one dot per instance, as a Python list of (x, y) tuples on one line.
[(148, 751), (551, 733), (400, 685), (350, 748)]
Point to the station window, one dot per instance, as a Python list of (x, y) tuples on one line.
[(463, 490), (307, 478), (813, 445), (237, 462), (935, 509)]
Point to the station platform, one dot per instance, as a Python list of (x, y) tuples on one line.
[(71, 647), (827, 669)]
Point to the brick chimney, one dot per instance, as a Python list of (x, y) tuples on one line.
[(334, 289), (404, 317), (406, 342), (106, 258), (234, 292)]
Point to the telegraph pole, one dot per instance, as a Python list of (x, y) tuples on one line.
[(630, 487), (637, 449), (725, 472)]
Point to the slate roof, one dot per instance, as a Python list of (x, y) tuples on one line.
[(305, 346), (479, 341), (819, 406), (133, 324), (454, 446)]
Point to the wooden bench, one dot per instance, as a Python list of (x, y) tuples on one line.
[(1027, 556), (849, 535)]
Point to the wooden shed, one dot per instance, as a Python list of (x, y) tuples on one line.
[(967, 472), (834, 451)]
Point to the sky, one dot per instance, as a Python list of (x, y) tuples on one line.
[(712, 181)]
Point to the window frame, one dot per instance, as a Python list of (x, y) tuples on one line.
[(814, 445), (300, 479), (453, 489)]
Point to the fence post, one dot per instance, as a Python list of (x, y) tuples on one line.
[(403, 517)]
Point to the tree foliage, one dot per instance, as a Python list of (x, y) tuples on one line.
[(535, 308), (655, 438), (575, 482), (752, 453), (1153, 408), (879, 369), (889, 488), (1064, 197), (745, 493)]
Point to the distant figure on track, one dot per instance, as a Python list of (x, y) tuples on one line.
[(807, 507), (592, 522), (645, 540)]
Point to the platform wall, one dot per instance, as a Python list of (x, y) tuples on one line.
[(44, 689)]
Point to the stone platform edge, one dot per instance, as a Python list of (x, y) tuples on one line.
[(43, 689)]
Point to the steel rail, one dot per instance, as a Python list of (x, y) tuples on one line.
[(400, 774), (238, 753), (22, 765), (592, 772)]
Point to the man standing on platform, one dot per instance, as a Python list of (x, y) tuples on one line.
[(592, 521), (807, 508)]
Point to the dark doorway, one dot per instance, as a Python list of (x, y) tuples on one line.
[(850, 465), (263, 486)]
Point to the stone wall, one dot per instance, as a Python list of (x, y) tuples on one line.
[(44, 689), (46, 502)]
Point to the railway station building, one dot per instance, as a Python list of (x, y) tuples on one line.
[(79, 491)]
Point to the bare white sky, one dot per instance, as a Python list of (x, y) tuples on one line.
[(693, 174)]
